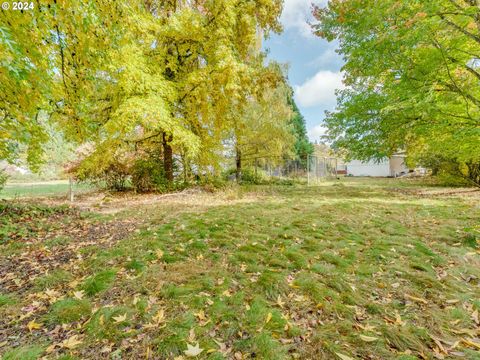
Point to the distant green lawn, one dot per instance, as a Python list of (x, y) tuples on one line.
[(40, 189), (353, 269)]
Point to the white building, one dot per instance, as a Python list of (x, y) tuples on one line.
[(394, 166)]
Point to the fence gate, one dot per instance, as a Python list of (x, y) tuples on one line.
[(320, 168)]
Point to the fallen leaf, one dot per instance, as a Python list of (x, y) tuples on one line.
[(193, 351), (159, 253), (471, 343), (200, 315), (280, 302), (367, 338), (227, 293), (452, 301), (343, 357), (416, 299), (79, 294), (159, 317), (120, 318), (398, 320), (191, 335), (475, 317), (32, 325), (71, 342), (269, 317)]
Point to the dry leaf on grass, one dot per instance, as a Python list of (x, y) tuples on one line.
[(367, 338), (193, 351), (120, 318), (71, 343), (416, 299), (32, 325), (343, 357)]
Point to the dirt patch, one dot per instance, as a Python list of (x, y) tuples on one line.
[(114, 203), (48, 240), (465, 193)]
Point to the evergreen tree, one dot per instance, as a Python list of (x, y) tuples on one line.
[(302, 146)]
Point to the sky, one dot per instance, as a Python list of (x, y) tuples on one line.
[(314, 66)]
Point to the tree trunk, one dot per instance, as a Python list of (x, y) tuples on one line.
[(238, 162), (168, 157)]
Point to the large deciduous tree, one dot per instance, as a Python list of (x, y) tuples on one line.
[(413, 78), (136, 73)]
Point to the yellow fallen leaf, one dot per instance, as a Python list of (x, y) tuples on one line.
[(159, 317), (120, 318), (269, 317), (280, 302), (471, 343), (367, 338), (200, 315), (193, 351), (32, 325), (343, 357), (227, 293), (469, 332), (159, 253), (71, 342), (398, 320), (416, 299)]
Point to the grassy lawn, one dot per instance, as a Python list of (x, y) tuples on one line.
[(355, 269), (15, 190)]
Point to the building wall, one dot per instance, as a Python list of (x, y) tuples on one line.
[(397, 165), (370, 168)]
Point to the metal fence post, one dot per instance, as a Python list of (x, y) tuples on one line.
[(70, 189), (308, 169)]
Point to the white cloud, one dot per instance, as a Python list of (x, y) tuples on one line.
[(297, 13), (316, 132), (319, 90), (329, 59)]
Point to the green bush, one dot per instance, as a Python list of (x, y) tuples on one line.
[(149, 175), (249, 175), (3, 179)]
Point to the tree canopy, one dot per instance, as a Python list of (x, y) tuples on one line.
[(128, 74), (412, 74)]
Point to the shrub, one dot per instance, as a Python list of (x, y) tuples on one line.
[(148, 174), (249, 175), (3, 179)]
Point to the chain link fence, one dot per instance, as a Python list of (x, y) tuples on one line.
[(310, 171), (322, 168)]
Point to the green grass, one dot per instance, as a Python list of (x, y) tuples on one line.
[(54, 279), (41, 189), (99, 282), (24, 353), (69, 310), (274, 273)]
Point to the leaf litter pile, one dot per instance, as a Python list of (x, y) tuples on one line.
[(348, 270)]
